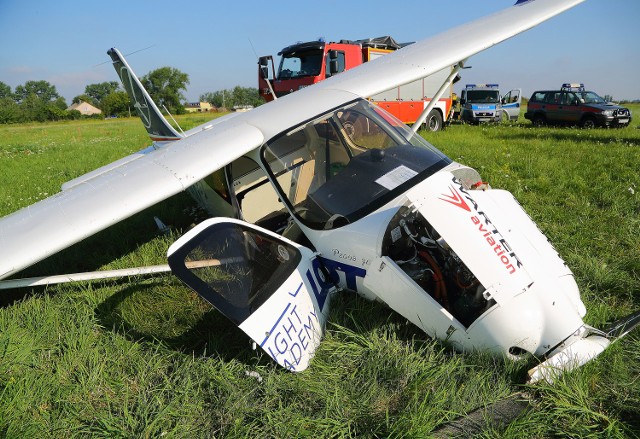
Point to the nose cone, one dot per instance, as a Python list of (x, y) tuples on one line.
[(535, 321), (537, 302)]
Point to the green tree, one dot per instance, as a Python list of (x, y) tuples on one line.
[(238, 96), (9, 110), (116, 103), (83, 97), (165, 87), (42, 90), (5, 91), (32, 108), (216, 98), (246, 96), (56, 110), (60, 104), (99, 91)]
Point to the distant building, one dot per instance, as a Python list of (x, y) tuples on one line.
[(198, 107), (85, 108)]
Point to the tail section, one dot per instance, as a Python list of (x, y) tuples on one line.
[(157, 126)]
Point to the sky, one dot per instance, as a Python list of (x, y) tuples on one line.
[(217, 42)]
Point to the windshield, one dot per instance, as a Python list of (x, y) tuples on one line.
[(300, 63), (347, 163), (589, 97), (483, 96)]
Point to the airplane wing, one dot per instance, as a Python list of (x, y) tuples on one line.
[(93, 204)]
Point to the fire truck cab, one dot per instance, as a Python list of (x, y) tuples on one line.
[(304, 64)]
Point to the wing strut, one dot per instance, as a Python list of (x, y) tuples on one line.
[(100, 275), (437, 96)]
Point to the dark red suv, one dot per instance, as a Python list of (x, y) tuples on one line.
[(575, 106)]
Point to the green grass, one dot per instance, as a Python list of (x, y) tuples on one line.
[(149, 358)]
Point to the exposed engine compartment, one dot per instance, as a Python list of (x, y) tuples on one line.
[(426, 258)]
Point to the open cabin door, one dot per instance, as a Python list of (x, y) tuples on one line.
[(511, 104), (270, 287)]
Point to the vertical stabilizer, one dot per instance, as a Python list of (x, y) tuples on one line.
[(157, 126)]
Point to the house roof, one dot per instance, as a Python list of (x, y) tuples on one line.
[(84, 108)]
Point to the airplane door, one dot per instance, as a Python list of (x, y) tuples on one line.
[(511, 104), (271, 288)]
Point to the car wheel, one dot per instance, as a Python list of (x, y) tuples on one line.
[(434, 121), (588, 123), (539, 121), (505, 117)]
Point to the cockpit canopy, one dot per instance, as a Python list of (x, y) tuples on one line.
[(341, 166)]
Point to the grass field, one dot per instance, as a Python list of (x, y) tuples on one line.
[(149, 358)]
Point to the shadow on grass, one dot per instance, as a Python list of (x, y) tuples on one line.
[(205, 333), (106, 246), (365, 317), (604, 136)]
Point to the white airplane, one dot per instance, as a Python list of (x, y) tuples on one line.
[(321, 191)]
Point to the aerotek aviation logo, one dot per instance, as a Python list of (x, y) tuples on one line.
[(483, 225), (455, 199)]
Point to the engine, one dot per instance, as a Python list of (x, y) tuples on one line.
[(425, 257)]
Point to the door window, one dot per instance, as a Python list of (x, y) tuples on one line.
[(234, 267)]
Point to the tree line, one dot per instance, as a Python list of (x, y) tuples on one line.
[(40, 101)]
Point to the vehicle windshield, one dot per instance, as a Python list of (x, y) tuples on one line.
[(347, 163), (300, 63), (589, 97), (483, 96)]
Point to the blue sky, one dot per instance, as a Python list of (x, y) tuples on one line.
[(65, 42)]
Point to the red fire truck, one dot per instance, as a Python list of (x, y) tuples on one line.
[(304, 64)]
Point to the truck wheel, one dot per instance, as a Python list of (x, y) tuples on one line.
[(434, 121), (588, 123), (505, 117), (539, 121)]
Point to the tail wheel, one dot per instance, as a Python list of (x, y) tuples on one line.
[(434, 121)]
